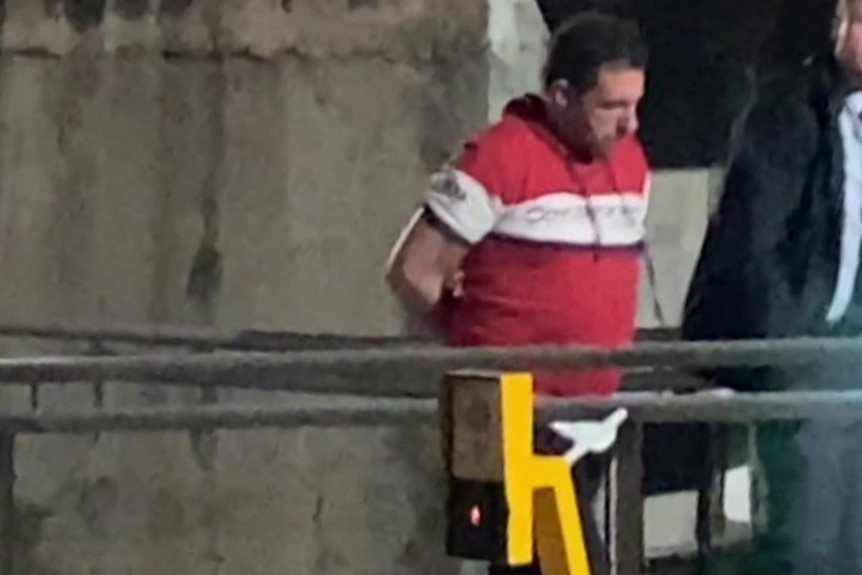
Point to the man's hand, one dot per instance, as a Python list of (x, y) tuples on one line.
[(455, 284)]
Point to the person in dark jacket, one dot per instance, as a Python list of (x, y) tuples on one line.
[(781, 258)]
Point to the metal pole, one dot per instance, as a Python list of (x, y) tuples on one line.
[(627, 503), (120, 334), (653, 408), (192, 337), (710, 407), (245, 339), (376, 413), (388, 365), (643, 408), (7, 502)]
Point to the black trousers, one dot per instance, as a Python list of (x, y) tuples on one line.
[(589, 474)]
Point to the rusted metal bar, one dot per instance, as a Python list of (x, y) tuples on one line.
[(210, 339), (361, 413), (711, 407), (626, 543), (195, 338), (352, 370), (167, 336), (643, 408), (7, 502), (409, 383)]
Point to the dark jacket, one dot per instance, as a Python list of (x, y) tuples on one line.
[(770, 258)]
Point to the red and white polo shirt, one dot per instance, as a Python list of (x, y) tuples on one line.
[(555, 243)]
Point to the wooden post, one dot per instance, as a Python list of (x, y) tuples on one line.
[(502, 494), (475, 437), (471, 418)]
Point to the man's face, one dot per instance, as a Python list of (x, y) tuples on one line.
[(847, 34), (607, 113)]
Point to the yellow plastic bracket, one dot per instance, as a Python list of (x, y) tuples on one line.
[(541, 494)]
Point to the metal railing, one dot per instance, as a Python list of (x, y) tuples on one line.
[(395, 380)]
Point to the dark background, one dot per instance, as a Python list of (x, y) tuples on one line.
[(705, 56)]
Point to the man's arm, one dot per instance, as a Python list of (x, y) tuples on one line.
[(461, 206), (424, 269)]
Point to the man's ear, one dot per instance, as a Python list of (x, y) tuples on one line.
[(559, 93), (561, 99)]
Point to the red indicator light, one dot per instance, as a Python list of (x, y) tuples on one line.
[(475, 516)]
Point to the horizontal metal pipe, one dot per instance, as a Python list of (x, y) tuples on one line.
[(712, 407), (138, 335), (376, 413), (352, 370), (642, 407), (194, 338), (417, 383), (208, 338)]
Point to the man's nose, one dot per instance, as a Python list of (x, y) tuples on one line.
[(631, 122), (627, 125)]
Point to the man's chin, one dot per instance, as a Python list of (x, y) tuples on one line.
[(604, 149)]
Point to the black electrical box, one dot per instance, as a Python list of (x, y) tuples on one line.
[(477, 519)]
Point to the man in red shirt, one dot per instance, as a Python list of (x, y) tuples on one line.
[(533, 234)]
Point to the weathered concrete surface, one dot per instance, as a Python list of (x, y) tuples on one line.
[(243, 163), (517, 38)]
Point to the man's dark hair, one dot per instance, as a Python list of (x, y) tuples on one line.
[(584, 43)]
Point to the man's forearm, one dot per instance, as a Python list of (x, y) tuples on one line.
[(430, 319)]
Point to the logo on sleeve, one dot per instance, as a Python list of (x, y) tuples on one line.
[(445, 183)]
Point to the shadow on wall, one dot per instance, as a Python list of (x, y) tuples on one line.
[(706, 59), (84, 14), (446, 98)]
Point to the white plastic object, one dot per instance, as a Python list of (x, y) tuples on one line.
[(590, 436)]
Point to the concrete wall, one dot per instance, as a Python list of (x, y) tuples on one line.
[(243, 163), (240, 163), (282, 143)]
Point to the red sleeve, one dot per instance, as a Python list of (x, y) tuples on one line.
[(468, 194)]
